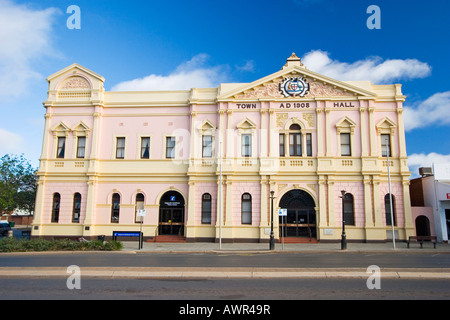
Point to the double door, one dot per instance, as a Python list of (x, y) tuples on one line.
[(299, 223), (171, 221)]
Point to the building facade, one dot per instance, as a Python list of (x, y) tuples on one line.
[(431, 202), (202, 163)]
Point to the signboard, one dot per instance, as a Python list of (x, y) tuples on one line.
[(282, 212), (448, 196), (141, 213), (441, 171)]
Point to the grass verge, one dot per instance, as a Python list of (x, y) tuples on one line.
[(22, 245)]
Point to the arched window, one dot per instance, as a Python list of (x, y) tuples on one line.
[(206, 208), (139, 206), (55, 207), (295, 141), (115, 208), (246, 208), (76, 207), (387, 209), (349, 210)]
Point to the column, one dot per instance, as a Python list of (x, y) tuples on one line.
[(39, 207), (319, 132), (264, 222), (192, 150), (377, 203), (328, 132), (368, 209), (190, 228), (323, 220), (273, 141), (363, 126), (89, 221), (409, 225), (263, 135), (331, 204), (372, 130), (230, 136), (401, 132)]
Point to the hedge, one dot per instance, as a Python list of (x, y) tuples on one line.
[(23, 245)]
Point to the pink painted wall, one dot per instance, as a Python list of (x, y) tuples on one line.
[(254, 189), (427, 212)]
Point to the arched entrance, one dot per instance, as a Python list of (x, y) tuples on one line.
[(422, 226), (301, 215), (171, 214)]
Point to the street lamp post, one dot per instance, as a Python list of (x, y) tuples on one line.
[(272, 238), (343, 236), (390, 192)]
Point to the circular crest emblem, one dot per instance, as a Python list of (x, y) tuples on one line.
[(294, 87)]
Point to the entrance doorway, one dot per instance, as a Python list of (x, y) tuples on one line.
[(422, 226), (300, 221), (171, 214)]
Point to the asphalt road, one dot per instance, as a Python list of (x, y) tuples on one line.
[(245, 290), (269, 260)]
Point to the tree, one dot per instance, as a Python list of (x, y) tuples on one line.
[(18, 184)]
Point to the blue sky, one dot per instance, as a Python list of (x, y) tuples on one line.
[(172, 44)]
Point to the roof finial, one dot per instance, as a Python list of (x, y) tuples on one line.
[(293, 60)]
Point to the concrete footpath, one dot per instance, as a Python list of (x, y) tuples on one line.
[(253, 272), (263, 248)]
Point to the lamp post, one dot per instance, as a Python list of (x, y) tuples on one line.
[(343, 236), (388, 150), (272, 238)]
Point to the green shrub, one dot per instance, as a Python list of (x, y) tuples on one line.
[(22, 245)]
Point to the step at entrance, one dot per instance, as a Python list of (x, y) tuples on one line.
[(170, 239), (298, 240)]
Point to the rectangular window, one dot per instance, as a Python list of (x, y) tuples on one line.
[(345, 144), (386, 145), (139, 206), (120, 148), (246, 208), (206, 208), (115, 208), (76, 208), (81, 147), (61, 147), (145, 148), (309, 145), (207, 146), (246, 150), (282, 145), (295, 144), (170, 147), (55, 207)]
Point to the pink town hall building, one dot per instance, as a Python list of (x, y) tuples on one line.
[(201, 164)]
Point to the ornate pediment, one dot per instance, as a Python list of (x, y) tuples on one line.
[(75, 83), (295, 81)]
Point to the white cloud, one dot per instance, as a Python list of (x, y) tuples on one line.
[(418, 160), (432, 111), (10, 142), (249, 66), (191, 74), (25, 35), (372, 68)]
